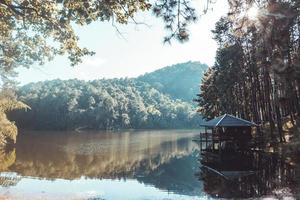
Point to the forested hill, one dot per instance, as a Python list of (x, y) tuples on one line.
[(180, 81), (109, 103)]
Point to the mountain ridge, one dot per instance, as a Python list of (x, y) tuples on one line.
[(189, 73)]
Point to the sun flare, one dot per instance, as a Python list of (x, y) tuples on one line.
[(252, 12)]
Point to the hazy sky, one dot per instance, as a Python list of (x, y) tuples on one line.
[(140, 49)]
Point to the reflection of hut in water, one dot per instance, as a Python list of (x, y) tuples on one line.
[(274, 177)]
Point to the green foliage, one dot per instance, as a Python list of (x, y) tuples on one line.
[(34, 31), (176, 16), (180, 81), (8, 130), (101, 104)]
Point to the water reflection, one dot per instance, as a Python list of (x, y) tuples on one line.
[(166, 160), (270, 175), (116, 155), (7, 158), (131, 166)]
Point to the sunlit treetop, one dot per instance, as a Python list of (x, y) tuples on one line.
[(262, 14), (275, 22), (36, 30)]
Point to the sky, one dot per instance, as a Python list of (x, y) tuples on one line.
[(139, 49)]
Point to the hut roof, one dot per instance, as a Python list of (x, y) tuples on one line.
[(228, 121)]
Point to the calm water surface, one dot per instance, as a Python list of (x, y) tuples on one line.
[(102, 165), (132, 165)]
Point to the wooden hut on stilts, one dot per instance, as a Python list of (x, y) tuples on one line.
[(225, 139)]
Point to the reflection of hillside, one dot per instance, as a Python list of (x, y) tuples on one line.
[(177, 175), (115, 155)]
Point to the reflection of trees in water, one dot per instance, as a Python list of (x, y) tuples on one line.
[(177, 175), (72, 156), (7, 158), (273, 173), (168, 162)]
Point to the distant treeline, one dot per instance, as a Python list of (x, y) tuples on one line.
[(103, 104)]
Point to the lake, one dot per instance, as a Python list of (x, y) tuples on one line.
[(125, 165)]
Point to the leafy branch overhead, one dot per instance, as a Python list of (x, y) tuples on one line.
[(37, 30), (176, 14), (34, 31), (8, 130)]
